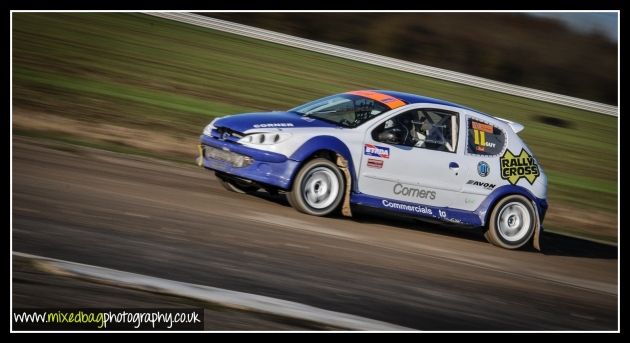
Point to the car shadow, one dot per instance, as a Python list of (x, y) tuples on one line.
[(551, 243), (279, 199), (560, 245)]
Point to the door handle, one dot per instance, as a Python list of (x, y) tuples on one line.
[(453, 166)]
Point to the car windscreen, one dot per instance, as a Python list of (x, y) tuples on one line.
[(347, 110)]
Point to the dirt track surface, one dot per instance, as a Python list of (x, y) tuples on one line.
[(176, 222)]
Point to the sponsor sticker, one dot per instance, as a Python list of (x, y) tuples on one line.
[(376, 151), (485, 185), (373, 163), (273, 125), (409, 208), (444, 216), (479, 131), (388, 100), (484, 139), (413, 192), (435, 213), (481, 127), (516, 167), (483, 169), (385, 99)]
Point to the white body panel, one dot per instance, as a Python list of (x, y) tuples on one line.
[(419, 175)]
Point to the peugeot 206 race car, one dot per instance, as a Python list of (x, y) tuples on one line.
[(388, 150)]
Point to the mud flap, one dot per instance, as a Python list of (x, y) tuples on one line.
[(345, 205), (537, 229), (200, 157)]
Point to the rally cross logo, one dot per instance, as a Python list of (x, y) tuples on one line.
[(513, 168)]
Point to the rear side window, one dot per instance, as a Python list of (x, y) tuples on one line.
[(484, 139)]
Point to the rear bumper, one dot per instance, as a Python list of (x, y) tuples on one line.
[(267, 167)]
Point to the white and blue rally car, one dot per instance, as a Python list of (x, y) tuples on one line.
[(388, 150)]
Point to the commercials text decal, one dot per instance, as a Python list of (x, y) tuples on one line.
[(409, 208)]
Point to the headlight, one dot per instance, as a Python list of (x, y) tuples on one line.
[(265, 138), (208, 129)]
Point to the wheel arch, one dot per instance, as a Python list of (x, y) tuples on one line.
[(484, 211), (328, 147)]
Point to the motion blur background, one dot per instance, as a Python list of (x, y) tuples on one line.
[(107, 113), (138, 84), (568, 53)]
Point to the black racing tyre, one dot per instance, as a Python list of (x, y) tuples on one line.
[(318, 188), (512, 222)]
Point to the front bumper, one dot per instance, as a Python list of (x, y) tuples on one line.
[(266, 167)]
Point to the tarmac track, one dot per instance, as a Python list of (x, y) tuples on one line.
[(176, 222)]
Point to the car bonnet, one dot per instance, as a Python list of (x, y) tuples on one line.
[(263, 120)]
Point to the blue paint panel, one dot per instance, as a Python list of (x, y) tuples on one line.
[(477, 217), (268, 167), (246, 121), (445, 214), (274, 174), (482, 210), (326, 143)]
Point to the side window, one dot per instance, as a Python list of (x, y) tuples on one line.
[(484, 138), (433, 129)]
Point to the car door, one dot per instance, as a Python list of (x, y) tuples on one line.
[(483, 141), (412, 156)]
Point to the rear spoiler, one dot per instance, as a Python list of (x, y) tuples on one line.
[(516, 127)]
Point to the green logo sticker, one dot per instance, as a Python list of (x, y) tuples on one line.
[(523, 166)]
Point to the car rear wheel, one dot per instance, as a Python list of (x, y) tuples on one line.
[(512, 222), (318, 188)]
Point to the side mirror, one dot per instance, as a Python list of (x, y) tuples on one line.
[(389, 137)]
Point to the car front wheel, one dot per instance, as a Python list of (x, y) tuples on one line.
[(318, 188), (512, 222)]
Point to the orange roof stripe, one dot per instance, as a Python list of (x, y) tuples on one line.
[(388, 100)]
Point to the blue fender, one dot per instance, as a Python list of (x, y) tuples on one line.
[(483, 210), (319, 143)]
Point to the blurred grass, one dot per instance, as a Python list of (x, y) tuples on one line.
[(118, 147), (143, 72)]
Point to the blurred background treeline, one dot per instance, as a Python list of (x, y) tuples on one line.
[(516, 48)]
